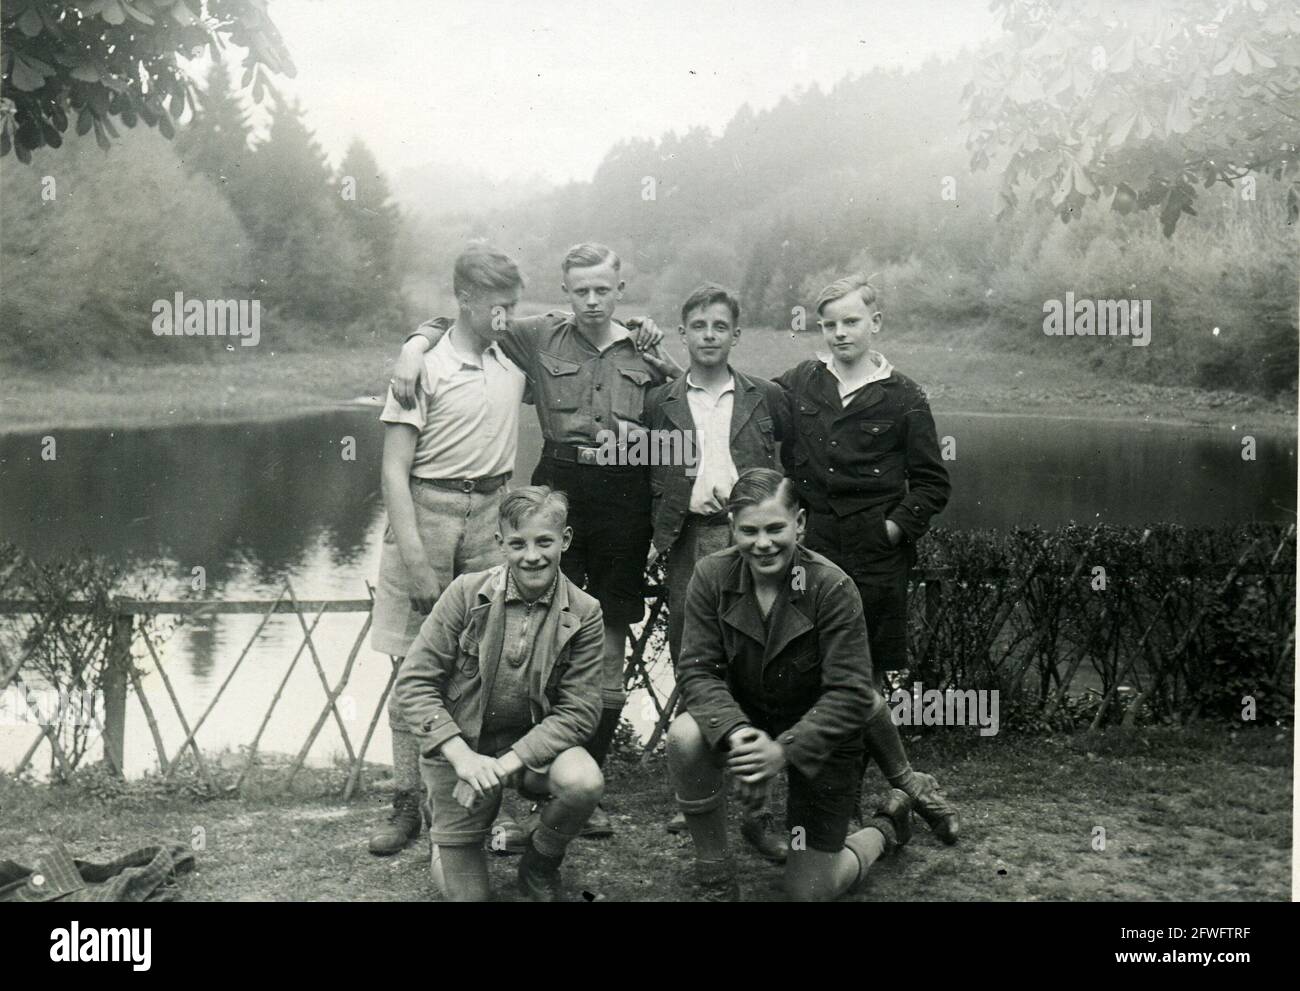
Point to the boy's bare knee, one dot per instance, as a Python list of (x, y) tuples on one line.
[(685, 741), (576, 779)]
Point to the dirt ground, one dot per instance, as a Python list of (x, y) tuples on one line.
[(1197, 815)]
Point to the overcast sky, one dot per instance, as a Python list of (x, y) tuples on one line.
[(518, 88)]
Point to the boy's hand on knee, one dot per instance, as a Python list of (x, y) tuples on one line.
[(482, 775), (755, 756), (465, 795)]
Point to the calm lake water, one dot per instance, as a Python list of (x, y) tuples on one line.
[(254, 504)]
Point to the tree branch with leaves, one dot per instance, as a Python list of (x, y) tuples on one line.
[(104, 62), (1132, 105)]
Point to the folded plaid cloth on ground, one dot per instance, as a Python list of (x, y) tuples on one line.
[(145, 875)]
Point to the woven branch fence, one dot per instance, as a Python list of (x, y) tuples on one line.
[(1081, 626)]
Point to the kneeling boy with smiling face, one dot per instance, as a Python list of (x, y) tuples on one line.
[(776, 675), (504, 684)]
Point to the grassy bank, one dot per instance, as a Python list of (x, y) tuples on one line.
[(261, 382), (1198, 815)]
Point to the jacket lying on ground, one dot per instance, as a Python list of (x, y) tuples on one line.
[(810, 681), (879, 452), (145, 875), (759, 418), (449, 671)]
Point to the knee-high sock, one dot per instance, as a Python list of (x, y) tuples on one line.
[(406, 761), (886, 748), (867, 845), (550, 840), (604, 736), (706, 818)]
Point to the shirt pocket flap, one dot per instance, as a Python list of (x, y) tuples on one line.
[(877, 427), (805, 658), (636, 376), (556, 365)]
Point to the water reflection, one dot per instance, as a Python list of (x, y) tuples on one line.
[(254, 504)]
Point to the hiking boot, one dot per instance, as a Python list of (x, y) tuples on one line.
[(759, 828), (715, 881), (940, 814), (404, 824), (539, 876), (677, 824), (509, 837), (894, 819), (598, 826)]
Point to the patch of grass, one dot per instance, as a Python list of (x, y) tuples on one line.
[(1191, 815), (270, 381)]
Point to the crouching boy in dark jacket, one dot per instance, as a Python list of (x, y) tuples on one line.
[(504, 685), (776, 675)]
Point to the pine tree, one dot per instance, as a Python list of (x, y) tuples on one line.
[(373, 220), (216, 142), (306, 260)]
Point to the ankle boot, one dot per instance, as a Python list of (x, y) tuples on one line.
[(403, 825)]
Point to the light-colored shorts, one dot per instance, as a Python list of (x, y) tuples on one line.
[(458, 530)]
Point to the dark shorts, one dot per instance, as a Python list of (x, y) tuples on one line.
[(859, 544), (824, 805), (609, 510)]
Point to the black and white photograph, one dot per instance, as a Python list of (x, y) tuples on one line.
[(610, 452)]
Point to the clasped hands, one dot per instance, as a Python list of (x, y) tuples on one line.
[(753, 758), (480, 776)]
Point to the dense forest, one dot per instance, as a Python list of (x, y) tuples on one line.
[(873, 174), (92, 237)]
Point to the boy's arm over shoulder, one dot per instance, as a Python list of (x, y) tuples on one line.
[(778, 402), (928, 487), (576, 710), (790, 380), (522, 337), (847, 693), (432, 657)]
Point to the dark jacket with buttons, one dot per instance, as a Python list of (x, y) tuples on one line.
[(760, 417), (449, 671), (880, 452), (808, 684)]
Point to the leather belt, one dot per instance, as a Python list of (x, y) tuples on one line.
[(578, 454), (490, 484)]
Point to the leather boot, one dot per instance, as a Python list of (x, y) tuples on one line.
[(403, 825)]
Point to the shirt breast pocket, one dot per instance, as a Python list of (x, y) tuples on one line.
[(562, 386), (629, 394), (467, 665), (808, 431), (878, 435)]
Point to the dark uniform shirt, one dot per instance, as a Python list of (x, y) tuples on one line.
[(579, 389)]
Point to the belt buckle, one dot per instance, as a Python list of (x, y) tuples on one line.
[(586, 455), (467, 485)]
